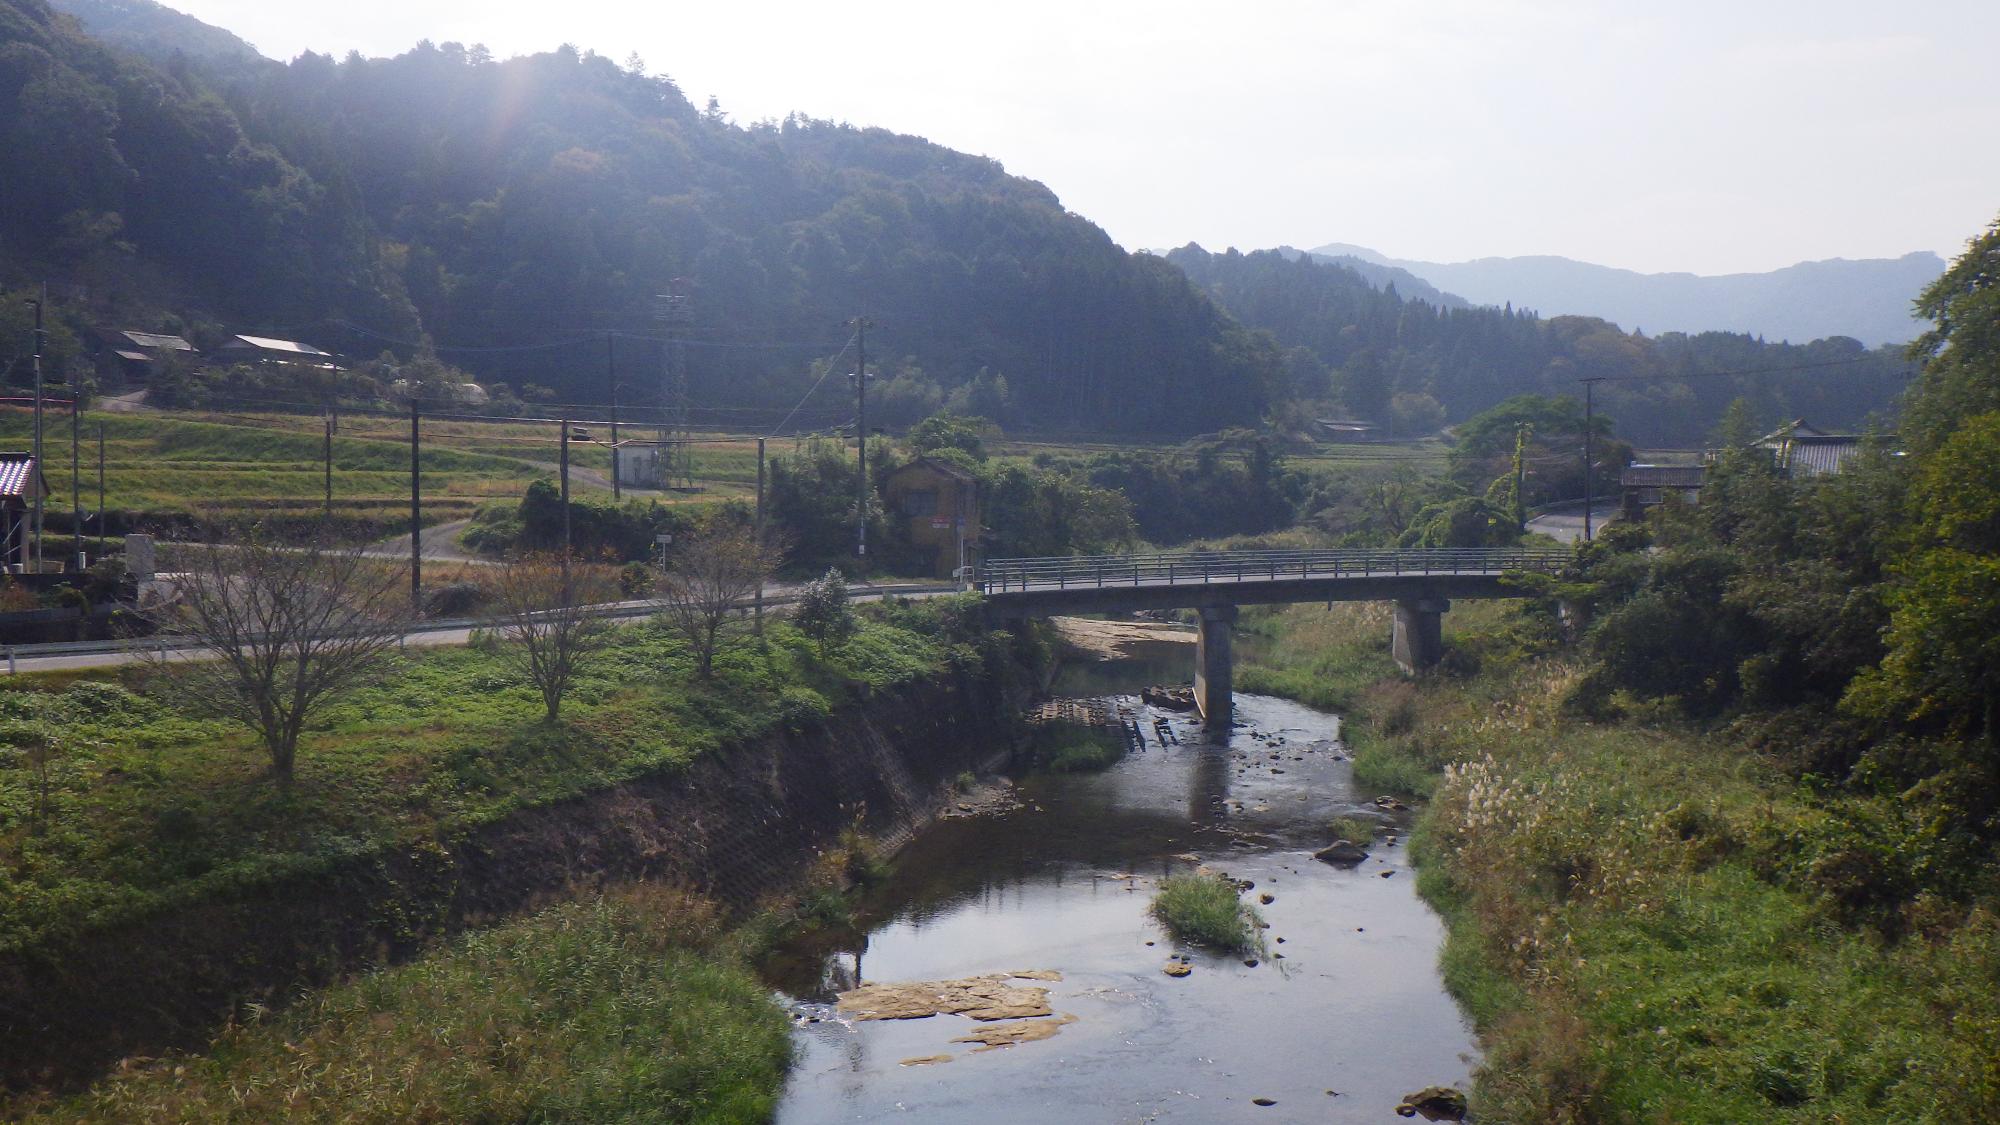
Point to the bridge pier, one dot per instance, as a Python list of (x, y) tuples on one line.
[(1418, 641), (1214, 666)]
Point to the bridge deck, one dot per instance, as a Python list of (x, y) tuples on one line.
[(1241, 568)]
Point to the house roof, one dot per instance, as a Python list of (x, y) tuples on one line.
[(18, 474), (1819, 456), (135, 357), (1661, 476), (155, 340), (267, 344)]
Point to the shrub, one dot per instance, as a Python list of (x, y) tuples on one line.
[(1204, 910)]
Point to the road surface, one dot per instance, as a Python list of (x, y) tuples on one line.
[(1564, 522)]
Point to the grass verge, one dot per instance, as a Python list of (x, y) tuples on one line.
[(621, 1007)]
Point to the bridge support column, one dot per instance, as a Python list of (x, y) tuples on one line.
[(1418, 642), (1214, 666)]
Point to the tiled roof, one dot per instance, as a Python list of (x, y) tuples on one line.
[(1819, 457)]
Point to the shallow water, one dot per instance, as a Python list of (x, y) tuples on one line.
[(1353, 1005)]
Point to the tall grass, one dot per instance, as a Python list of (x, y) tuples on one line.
[(616, 1008), (1206, 910), (1650, 923)]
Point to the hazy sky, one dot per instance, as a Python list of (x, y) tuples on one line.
[(1709, 137)]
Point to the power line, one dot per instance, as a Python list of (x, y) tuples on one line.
[(1729, 374)]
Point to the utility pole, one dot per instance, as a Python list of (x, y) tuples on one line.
[(861, 326), (416, 511), (565, 509), (759, 618), (676, 311), (326, 456), (100, 490), (75, 479), (40, 337), (611, 375), (1589, 454)]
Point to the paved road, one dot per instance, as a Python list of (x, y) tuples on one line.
[(440, 544), (1564, 522), (776, 597)]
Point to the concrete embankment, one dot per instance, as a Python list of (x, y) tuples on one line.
[(739, 824)]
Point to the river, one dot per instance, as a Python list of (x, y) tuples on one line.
[(1343, 1014)]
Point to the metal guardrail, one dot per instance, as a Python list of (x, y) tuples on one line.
[(11, 655), (1000, 576)]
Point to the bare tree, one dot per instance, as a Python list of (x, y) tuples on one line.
[(281, 631), (552, 617), (716, 570)]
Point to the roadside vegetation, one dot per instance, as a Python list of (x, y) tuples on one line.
[(1207, 910), (632, 1005)]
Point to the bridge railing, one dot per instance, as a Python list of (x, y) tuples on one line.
[(1197, 567)]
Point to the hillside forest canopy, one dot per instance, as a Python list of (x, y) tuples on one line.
[(525, 215)]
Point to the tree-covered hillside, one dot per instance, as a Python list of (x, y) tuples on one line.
[(1371, 353), (514, 204)]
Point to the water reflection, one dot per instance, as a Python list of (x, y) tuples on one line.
[(1063, 882)]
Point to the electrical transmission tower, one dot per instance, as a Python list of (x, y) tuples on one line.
[(676, 313)]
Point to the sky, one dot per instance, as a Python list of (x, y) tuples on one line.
[(1695, 136)]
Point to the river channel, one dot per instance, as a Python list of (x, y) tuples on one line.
[(1343, 1013)]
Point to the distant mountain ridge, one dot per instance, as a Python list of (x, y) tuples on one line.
[(155, 30), (1867, 299)]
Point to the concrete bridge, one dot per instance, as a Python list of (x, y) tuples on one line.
[(1421, 583)]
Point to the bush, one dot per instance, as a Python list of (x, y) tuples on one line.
[(1204, 910)]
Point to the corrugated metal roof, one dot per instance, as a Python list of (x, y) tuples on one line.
[(17, 471), (1661, 476), (157, 340), (267, 344)]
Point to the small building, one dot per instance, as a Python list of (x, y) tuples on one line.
[(134, 355), (21, 481), (936, 504), (1648, 486), (264, 349), (1345, 429), (1803, 451)]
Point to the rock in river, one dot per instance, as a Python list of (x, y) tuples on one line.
[(1433, 1103), (991, 997), (1342, 853)]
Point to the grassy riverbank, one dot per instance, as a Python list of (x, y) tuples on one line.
[(1648, 920), (138, 805), (629, 1006)]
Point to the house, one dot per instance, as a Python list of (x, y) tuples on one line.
[(936, 504), (1648, 486), (21, 481), (133, 354), (1804, 451), (263, 349)]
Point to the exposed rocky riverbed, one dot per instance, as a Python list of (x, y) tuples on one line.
[(1338, 1018)]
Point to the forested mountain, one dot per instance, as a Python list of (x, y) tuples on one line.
[(528, 203), (156, 31), (1868, 300), (1373, 354)]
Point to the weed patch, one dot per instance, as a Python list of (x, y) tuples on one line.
[(1206, 910)]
